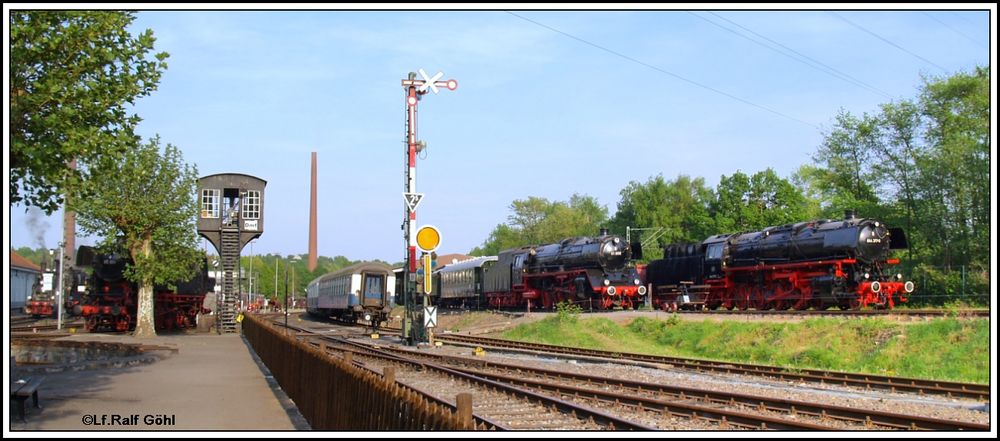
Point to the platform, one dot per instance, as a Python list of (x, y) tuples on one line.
[(197, 382)]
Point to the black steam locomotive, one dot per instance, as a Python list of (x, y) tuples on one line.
[(591, 271), (111, 300), (818, 264)]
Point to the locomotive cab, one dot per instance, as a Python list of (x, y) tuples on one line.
[(715, 251)]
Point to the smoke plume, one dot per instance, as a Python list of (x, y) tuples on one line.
[(37, 225)]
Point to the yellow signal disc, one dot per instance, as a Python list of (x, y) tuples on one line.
[(428, 238)]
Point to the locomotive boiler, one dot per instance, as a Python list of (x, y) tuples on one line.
[(820, 263), (593, 272)]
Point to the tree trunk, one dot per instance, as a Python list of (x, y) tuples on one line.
[(145, 325)]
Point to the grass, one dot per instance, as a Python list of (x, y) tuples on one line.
[(944, 349)]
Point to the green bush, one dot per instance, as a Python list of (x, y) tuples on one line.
[(568, 312)]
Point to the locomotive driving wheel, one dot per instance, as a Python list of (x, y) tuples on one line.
[(757, 300), (742, 298), (853, 303), (803, 300)]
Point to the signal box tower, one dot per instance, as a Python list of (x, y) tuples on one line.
[(231, 214)]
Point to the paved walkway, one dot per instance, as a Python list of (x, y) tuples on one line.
[(201, 382)]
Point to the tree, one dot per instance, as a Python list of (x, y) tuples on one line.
[(957, 173), (926, 168), (72, 74), (921, 164), (144, 203), (537, 221), (754, 202), (679, 207)]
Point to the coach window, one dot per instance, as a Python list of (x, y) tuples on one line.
[(210, 203), (251, 205)]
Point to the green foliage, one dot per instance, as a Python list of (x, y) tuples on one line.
[(936, 286), (40, 256), (270, 267), (919, 164), (537, 221), (680, 208), (673, 320), (685, 210), (72, 76), (143, 203), (753, 202), (946, 349), (568, 312)]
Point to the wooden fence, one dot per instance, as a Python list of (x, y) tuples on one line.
[(333, 394)]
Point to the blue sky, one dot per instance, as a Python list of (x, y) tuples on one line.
[(536, 113)]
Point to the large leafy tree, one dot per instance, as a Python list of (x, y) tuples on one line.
[(72, 74), (925, 168), (676, 210), (537, 221), (921, 164), (144, 203), (956, 174), (754, 202)]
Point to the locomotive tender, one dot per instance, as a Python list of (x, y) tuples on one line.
[(817, 264), (363, 290)]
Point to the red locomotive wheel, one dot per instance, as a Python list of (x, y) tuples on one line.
[(757, 298)]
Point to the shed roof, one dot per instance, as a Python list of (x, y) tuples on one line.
[(19, 262)]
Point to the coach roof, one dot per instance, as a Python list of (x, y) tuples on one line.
[(369, 267)]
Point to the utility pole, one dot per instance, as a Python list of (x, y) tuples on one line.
[(415, 89), (59, 290)]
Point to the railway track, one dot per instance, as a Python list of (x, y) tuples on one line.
[(499, 406), (764, 412), (910, 313), (31, 328), (865, 381), (646, 403)]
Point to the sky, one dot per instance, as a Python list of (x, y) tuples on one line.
[(548, 104)]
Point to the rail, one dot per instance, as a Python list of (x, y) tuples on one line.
[(335, 395)]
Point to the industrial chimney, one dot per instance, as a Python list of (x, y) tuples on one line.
[(312, 217)]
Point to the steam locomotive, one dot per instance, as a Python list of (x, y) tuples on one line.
[(111, 301), (593, 272), (42, 302), (819, 264)]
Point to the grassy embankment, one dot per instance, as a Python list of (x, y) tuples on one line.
[(944, 349)]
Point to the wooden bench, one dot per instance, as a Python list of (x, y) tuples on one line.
[(20, 390)]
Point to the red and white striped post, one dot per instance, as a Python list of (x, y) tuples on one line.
[(414, 90)]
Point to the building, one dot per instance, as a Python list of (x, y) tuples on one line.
[(24, 275), (448, 259)]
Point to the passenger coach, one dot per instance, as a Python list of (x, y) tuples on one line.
[(461, 284), (360, 291)]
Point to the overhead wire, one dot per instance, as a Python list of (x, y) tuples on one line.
[(664, 71), (955, 30), (887, 41), (805, 59)]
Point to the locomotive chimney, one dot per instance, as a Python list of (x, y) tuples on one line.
[(604, 231), (848, 214), (312, 217)]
